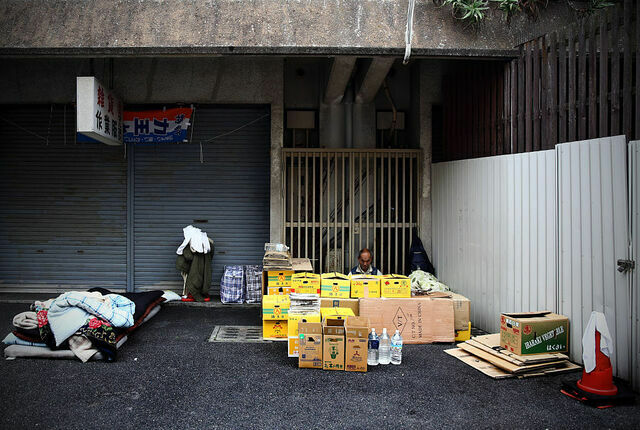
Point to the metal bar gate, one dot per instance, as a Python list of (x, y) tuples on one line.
[(338, 201)]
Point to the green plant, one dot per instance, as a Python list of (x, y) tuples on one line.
[(508, 7), (590, 7), (469, 11)]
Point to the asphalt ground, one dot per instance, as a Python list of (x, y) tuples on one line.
[(168, 376)]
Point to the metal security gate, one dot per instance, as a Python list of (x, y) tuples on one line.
[(221, 186), (342, 200), (63, 211)]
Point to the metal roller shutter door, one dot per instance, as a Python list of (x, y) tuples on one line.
[(62, 218), (229, 190)]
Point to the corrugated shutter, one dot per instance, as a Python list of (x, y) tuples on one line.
[(62, 217), (226, 195)]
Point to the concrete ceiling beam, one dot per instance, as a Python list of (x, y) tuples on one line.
[(339, 77), (377, 71)]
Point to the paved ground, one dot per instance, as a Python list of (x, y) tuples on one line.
[(169, 376)]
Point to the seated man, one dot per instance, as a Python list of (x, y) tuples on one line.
[(364, 266)]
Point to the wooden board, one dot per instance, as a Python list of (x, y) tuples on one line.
[(481, 365), (502, 363), (493, 340)]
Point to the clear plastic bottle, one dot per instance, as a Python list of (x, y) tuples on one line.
[(374, 344), (396, 348), (385, 347)]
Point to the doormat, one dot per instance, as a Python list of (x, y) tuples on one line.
[(237, 334)]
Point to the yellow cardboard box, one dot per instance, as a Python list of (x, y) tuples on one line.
[(336, 312), (333, 344), (275, 307), (395, 286), (305, 283), (274, 329), (279, 291), (279, 278), (294, 320), (310, 340), (365, 286), (335, 285)]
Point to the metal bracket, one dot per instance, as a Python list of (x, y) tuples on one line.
[(626, 265)]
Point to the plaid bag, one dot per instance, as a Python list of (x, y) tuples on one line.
[(253, 284), (232, 285)]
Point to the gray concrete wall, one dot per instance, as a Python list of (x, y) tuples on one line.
[(146, 80), (196, 27)]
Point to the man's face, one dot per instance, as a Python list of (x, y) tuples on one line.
[(365, 261)]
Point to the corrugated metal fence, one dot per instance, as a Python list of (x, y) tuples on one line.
[(494, 234), (544, 230), (634, 180)]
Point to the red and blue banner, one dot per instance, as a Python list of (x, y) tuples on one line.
[(168, 126)]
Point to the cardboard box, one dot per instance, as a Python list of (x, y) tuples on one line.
[(294, 320), (395, 286), (461, 311), (534, 332), (333, 344), (335, 285), (274, 329), (305, 283), (278, 291), (275, 307), (419, 319), (310, 345), (356, 339), (365, 286), (279, 278), (353, 304), (336, 312)]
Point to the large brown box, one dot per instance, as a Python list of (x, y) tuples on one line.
[(352, 304), (310, 345), (419, 319), (356, 348), (333, 343)]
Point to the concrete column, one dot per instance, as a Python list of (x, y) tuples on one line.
[(276, 227), (430, 76), (364, 125)]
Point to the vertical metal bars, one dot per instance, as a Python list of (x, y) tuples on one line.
[(327, 217)]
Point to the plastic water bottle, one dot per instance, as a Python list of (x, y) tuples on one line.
[(385, 347), (396, 348), (374, 344)]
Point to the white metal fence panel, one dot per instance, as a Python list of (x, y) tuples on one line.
[(593, 235), (494, 232), (634, 180)]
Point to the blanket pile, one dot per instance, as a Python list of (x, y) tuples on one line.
[(90, 324)]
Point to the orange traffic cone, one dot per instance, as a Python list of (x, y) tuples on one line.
[(600, 380)]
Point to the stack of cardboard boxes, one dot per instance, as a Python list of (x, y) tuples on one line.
[(336, 337)]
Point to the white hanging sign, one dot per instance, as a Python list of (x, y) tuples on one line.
[(99, 111)]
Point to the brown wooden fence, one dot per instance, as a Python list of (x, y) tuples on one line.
[(573, 84)]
